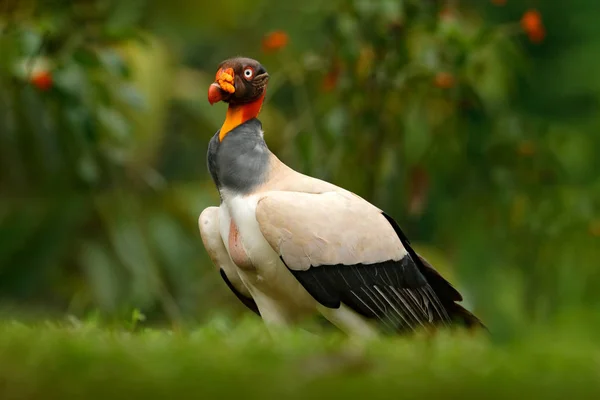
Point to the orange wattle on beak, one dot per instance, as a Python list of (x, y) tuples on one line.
[(223, 85)]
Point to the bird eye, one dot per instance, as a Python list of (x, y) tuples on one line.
[(248, 73)]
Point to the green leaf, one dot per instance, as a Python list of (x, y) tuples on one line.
[(115, 124), (73, 80), (113, 62), (86, 58)]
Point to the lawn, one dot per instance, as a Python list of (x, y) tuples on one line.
[(225, 360)]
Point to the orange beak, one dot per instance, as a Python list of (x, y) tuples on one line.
[(223, 85), (215, 93)]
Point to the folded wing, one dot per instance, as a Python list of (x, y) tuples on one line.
[(208, 223), (344, 250)]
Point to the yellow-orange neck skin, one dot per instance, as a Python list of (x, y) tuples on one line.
[(240, 113)]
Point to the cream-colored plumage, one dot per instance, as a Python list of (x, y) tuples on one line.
[(317, 223), (328, 228), (208, 222)]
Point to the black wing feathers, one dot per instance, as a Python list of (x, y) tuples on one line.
[(402, 295), (332, 284), (393, 292), (447, 294), (248, 302), (440, 285)]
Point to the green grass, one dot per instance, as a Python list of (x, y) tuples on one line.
[(223, 360)]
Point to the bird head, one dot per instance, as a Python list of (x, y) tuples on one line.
[(238, 81)]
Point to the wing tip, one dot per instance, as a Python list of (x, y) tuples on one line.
[(248, 302), (463, 317)]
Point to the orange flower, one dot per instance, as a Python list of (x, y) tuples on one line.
[(42, 80), (531, 20), (329, 81), (446, 13), (537, 36), (594, 227), (331, 78), (274, 41), (499, 2), (526, 148), (444, 80), (532, 24)]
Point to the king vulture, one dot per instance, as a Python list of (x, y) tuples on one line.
[(290, 246)]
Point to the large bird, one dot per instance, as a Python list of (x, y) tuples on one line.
[(290, 246)]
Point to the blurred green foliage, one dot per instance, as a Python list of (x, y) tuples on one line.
[(480, 142), (227, 360)]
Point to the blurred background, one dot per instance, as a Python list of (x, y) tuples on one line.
[(474, 123)]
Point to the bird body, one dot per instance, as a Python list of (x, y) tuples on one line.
[(291, 246)]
